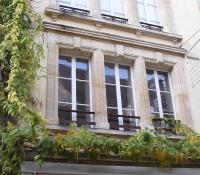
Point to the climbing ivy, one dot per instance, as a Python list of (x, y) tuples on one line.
[(20, 55)]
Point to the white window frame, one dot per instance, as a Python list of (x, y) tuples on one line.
[(61, 2), (112, 9), (147, 17), (73, 86), (118, 91), (158, 92)]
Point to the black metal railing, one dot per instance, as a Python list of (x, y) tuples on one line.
[(114, 19), (83, 118), (72, 10), (164, 125), (130, 123), (151, 26)]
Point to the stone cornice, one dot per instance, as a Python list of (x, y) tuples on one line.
[(55, 13), (114, 38)]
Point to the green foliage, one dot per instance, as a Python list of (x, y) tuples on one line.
[(20, 55)]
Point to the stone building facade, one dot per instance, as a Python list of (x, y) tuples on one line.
[(112, 65)]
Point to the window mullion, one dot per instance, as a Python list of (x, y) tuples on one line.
[(74, 107), (158, 94), (119, 101)]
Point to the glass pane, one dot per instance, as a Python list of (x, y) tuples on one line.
[(127, 98), (128, 112), (82, 4), (110, 73), (152, 14), (105, 6), (111, 96), (63, 114), (151, 2), (65, 66), (163, 81), (64, 90), (167, 103), (118, 8), (155, 115), (113, 120), (82, 92), (82, 69), (65, 2), (142, 13), (153, 101), (81, 117), (151, 79), (124, 74)]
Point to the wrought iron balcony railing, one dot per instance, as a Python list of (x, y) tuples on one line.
[(114, 19), (130, 123), (84, 118), (72, 10), (151, 26)]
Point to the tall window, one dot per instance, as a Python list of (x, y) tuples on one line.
[(74, 90), (113, 7), (148, 11), (119, 93), (160, 95), (81, 4)]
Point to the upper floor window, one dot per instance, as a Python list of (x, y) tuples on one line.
[(160, 95), (148, 11), (74, 95), (119, 91), (113, 8), (80, 4)]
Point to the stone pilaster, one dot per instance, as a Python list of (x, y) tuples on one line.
[(99, 90), (141, 92), (52, 84)]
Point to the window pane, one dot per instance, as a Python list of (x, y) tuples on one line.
[(65, 67), (124, 74), (82, 92), (82, 69), (65, 2), (118, 8), (128, 112), (111, 96), (151, 79), (127, 98), (64, 90), (163, 81), (113, 120), (151, 2), (152, 14), (82, 4), (167, 103), (63, 115), (110, 73), (81, 116), (142, 13), (105, 7), (153, 101)]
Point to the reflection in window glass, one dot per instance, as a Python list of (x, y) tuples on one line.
[(64, 90), (110, 73), (82, 69), (125, 77), (160, 95), (111, 96), (65, 67)]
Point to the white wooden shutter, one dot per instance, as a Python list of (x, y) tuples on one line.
[(105, 7), (118, 8)]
